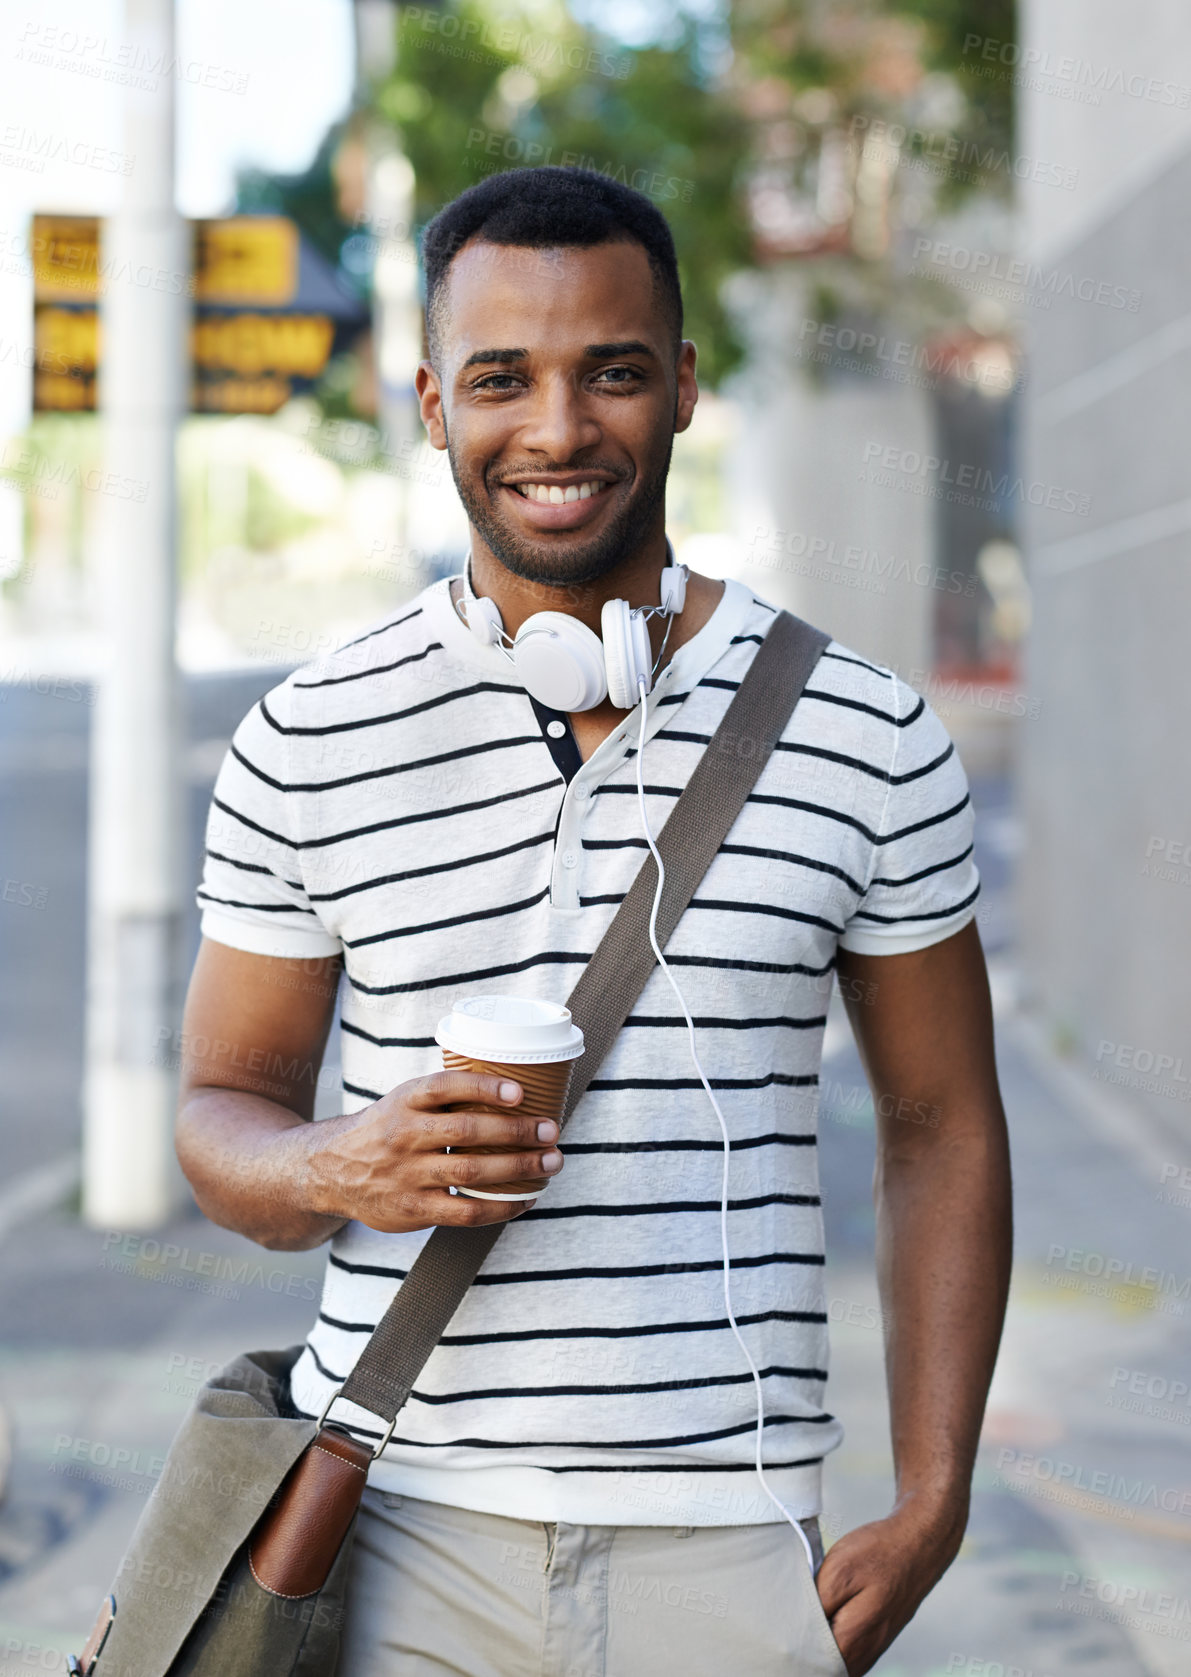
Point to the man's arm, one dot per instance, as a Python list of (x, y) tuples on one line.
[(944, 1248), (254, 1033)]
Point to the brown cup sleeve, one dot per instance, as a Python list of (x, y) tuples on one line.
[(544, 1087), (544, 1093)]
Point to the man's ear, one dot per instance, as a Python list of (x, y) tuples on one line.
[(430, 403), (688, 389)]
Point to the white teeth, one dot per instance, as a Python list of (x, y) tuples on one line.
[(553, 495)]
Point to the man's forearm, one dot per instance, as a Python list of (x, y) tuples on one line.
[(944, 1240), (943, 1249), (254, 1167)]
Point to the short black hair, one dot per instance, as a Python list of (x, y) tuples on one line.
[(547, 207)]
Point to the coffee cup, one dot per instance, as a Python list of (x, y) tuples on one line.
[(533, 1042)]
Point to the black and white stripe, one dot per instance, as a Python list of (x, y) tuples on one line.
[(400, 803)]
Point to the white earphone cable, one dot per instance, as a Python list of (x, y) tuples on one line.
[(657, 897)]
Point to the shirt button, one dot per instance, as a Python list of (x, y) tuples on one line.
[(582, 791), (570, 860), (556, 729)]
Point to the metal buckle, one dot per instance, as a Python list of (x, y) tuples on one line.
[(322, 1420)]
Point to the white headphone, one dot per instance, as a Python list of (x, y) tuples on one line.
[(564, 664)]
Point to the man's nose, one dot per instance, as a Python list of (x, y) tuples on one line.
[(560, 422)]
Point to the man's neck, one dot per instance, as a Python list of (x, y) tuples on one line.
[(636, 579)]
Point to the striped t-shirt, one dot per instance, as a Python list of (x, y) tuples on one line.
[(403, 802)]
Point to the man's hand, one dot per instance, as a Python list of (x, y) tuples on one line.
[(387, 1166), (252, 1043), (874, 1580)]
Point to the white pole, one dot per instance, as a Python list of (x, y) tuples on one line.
[(135, 887), (396, 304), (396, 318)]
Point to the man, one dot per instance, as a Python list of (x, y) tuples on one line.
[(571, 1487)]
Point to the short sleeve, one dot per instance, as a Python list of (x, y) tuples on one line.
[(252, 895), (923, 883)]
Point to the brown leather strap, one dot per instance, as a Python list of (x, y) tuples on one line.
[(607, 988), (294, 1546)]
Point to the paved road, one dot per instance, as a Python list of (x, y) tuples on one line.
[(43, 817), (1076, 1559)]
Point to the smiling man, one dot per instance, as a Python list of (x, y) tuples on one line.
[(572, 1486)]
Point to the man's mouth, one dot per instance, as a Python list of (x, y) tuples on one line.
[(554, 494)]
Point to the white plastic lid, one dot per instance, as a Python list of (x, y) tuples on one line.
[(513, 1030)]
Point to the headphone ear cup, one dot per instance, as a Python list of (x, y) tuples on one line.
[(627, 652), (559, 661), (672, 590), (484, 620)]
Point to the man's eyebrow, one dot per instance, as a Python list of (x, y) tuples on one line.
[(605, 352), (501, 357)]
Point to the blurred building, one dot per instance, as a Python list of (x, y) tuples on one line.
[(871, 474), (1106, 798), (874, 481), (818, 533)]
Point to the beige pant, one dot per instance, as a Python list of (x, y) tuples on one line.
[(435, 1589)]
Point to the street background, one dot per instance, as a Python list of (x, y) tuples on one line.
[(935, 261)]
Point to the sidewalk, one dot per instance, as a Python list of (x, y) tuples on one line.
[(1077, 1556)]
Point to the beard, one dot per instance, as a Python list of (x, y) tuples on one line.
[(549, 562)]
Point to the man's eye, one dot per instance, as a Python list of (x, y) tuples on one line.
[(618, 375), (496, 381)]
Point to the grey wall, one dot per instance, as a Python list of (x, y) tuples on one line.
[(1106, 765)]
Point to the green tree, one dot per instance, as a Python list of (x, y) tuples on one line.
[(805, 139), (540, 88)]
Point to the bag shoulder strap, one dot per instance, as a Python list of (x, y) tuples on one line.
[(607, 989)]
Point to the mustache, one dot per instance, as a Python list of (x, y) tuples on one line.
[(534, 469)]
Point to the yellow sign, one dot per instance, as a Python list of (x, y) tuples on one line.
[(240, 260), (241, 395), (250, 348), (68, 338), (246, 259), (65, 258), (248, 363), (250, 344), (66, 356)]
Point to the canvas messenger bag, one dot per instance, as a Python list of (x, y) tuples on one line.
[(239, 1563)]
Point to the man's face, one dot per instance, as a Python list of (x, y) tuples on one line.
[(557, 395)]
